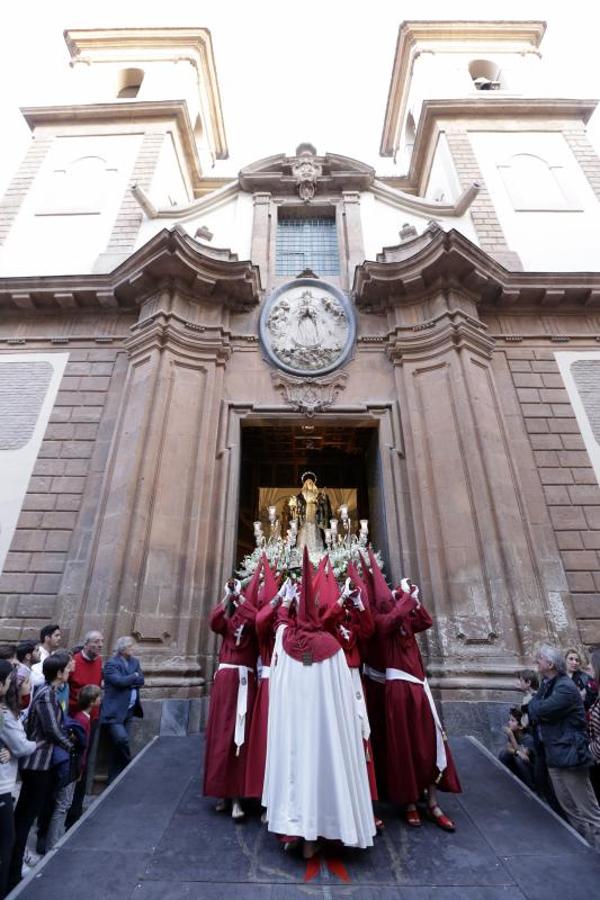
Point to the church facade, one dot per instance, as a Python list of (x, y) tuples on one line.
[(171, 343)]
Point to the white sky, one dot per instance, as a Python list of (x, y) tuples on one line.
[(288, 72)]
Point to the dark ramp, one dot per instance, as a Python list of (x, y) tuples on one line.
[(153, 836)]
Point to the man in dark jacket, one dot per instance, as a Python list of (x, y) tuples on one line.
[(122, 681), (557, 710)]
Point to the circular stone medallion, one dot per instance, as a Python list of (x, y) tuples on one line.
[(307, 327)]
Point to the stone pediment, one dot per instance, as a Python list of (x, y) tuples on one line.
[(171, 257), (307, 174), (438, 259)]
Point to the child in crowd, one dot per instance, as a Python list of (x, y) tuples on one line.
[(70, 769), (518, 756)]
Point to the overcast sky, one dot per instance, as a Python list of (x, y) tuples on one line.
[(288, 72)]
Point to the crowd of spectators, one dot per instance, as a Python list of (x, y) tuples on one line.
[(52, 702), (553, 736)]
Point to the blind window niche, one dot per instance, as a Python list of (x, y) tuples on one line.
[(307, 242)]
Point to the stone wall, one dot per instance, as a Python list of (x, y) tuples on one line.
[(569, 481)]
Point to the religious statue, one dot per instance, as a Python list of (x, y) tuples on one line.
[(311, 509)]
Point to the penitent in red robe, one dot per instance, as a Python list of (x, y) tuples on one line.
[(257, 741), (410, 727), (224, 768)]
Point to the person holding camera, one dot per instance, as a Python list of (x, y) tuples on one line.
[(232, 696)]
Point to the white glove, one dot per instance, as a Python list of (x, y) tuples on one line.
[(282, 590), (347, 592), (415, 594), (357, 600), (405, 585)]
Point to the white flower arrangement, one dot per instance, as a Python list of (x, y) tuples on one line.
[(283, 557)]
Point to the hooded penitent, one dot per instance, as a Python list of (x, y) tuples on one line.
[(382, 595), (269, 587), (305, 640), (250, 592)]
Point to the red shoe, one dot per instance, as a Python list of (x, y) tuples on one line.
[(412, 817), (379, 826), (441, 820)]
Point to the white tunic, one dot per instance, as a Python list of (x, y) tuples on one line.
[(316, 782)]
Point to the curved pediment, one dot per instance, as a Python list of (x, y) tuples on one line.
[(307, 173), (212, 275), (436, 259)]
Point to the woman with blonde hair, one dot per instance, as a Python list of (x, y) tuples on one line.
[(575, 660)]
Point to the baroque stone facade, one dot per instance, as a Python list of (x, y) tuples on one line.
[(483, 481)]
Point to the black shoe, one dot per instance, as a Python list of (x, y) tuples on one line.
[(40, 846)]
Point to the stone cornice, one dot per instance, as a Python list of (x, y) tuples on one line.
[(398, 198), (125, 113), (412, 33), (223, 194), (214, 277), (452, 329), (438, 259), (152, 44)]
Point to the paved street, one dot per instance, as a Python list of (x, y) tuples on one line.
[(154, 837)]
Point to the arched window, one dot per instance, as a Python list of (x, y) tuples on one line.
[(129, 83), (533, 184), (79, 188), (485, 75)]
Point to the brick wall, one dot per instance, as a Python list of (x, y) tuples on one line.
[(129, 218), (34, 567), (20, 184), (486, 222), (585, 155), (569, 482)]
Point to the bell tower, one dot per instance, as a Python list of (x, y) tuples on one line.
[(141, 106), (474, 101)]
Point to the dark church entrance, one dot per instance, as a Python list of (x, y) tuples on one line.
[(344, 459)]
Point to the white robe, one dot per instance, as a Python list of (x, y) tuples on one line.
[(316, 782)]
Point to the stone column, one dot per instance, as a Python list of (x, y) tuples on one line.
[(477, 558)]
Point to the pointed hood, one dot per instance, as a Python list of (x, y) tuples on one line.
[(354, 575), (305, 640), (269, 587), (367, 578), (250, 592), (332, 588), (320, 575), (382, 594)]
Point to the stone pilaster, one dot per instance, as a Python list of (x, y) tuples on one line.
[(151, 575), (262, 234), (477, 561), (353, 237)]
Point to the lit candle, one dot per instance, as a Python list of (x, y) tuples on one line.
[(344, 512), (328, 535), (333, 523), (272, 513), (364, 525), (257, 528)]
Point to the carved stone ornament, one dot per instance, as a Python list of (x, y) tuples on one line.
[(310, 395), (307, 327), (306, 170)]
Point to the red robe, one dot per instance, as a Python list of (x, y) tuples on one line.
[(350, 625), (224, 769), (257, 739), (410, 727)]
